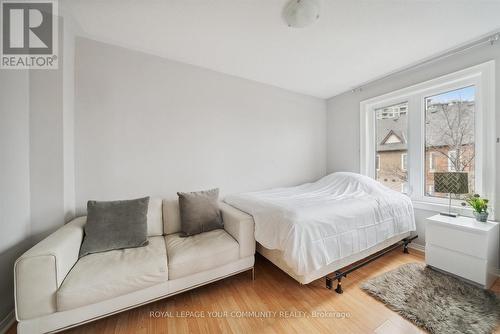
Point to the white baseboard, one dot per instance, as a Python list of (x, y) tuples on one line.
[(7, 322), (420, 248)]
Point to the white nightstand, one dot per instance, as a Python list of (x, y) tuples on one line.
[(463, 247)]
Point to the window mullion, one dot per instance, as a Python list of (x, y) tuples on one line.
[(415, 147)]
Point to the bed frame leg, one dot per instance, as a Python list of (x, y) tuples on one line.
[(253, 273), (339, 286), (406, 241), (338, 277), (329, 283)]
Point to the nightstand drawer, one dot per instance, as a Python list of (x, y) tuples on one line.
[(465, 266), (467, 242)]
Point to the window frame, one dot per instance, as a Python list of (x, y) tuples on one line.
[(403, 156), (481, 76)]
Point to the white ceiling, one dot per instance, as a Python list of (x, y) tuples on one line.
[(353, 41)]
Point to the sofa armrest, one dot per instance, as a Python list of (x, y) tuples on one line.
[(240, 226), (39, 272)]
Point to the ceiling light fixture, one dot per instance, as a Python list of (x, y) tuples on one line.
[(301, 13)]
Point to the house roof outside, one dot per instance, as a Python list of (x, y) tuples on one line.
[(392, 121)]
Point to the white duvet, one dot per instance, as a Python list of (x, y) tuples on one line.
[(317, 223)]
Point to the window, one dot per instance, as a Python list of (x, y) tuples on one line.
[(450, 133), (391, 128), (444, 124)]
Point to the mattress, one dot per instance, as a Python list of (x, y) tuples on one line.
[(316, 224)]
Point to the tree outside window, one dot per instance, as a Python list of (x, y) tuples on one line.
[(449, 135)]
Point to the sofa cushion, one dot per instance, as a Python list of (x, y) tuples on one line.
[(115, 225), (199, 212), (200, 252), (155, 217), (171, 216), (101, 276)]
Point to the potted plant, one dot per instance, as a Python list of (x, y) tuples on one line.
[(479, 206)]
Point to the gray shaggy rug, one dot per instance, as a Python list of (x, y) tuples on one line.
[(435, 301)]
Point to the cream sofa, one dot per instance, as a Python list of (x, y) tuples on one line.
[(55, 290)]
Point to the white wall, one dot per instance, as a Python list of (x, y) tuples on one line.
[(343, 113), (14, 178), (46, 151), (150, 126), (71, 29), (51, 138)]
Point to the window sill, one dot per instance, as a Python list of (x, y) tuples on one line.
[(439, 207)]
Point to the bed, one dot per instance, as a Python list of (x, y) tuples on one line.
[(317, 228)]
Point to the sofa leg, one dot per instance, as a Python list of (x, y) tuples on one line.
[(253, 273)]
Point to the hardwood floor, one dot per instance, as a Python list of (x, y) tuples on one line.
[(272, 291)]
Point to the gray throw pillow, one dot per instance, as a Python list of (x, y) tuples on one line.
[(199, 212), (115, 225)]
